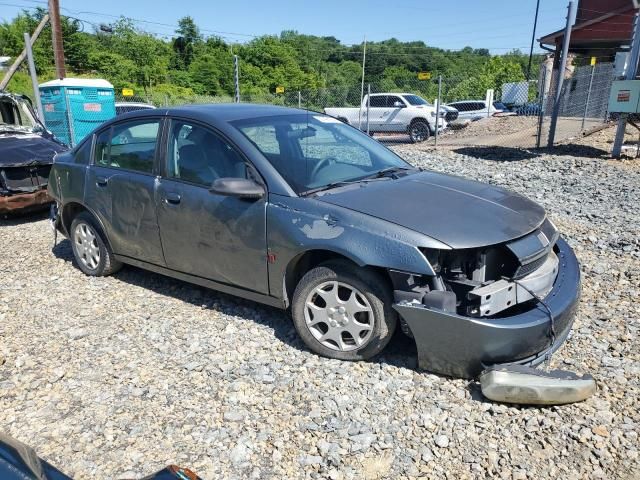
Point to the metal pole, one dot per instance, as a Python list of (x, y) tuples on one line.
[(438, 110), (586, 107), (368, 104), (34, 77), (56, 38), (364, 59), (563, 66), (299, 99), (533, 37), (236, 78), (20, 58), (630, 74), (541, 106)]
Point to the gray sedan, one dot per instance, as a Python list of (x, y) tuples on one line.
[(296, 209)]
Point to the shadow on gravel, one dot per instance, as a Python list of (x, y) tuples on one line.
[(20, 218), (401, 351), (573, 150), (500, 154)]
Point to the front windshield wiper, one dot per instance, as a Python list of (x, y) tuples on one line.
[(388, 172), (385, 173)]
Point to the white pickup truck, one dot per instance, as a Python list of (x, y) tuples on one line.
[(393, 113)]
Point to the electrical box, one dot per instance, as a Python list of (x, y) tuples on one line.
[(625, 96)]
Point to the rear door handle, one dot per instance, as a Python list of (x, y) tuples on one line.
[(101, 181), (173, 198)]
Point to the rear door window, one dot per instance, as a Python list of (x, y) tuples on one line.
[(129, 146), (378, 101)]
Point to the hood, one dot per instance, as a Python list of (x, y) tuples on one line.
[(19, 149), (461, 213)]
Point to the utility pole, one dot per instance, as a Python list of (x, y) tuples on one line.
[(563, 66), (533, 37), (364, 59), (34, 77), (629, 74), (56, 38), (20, 58)]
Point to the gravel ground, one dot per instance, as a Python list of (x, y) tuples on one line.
[(116, 377)]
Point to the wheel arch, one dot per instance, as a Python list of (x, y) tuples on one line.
[(299, 265), (71, 209), (419, 119)]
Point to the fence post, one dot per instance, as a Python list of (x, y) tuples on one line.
[(561, 70), (236, 79), (299, 99), (541, 101), (34, 77), (368, 104), (630, 74), (435, 144), (586, 107)]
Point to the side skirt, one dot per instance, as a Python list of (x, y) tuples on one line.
[(203, 282)]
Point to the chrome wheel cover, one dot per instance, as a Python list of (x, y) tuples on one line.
[(86, 246), (339, 316)]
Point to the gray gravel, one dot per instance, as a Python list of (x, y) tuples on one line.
[(116, 377)]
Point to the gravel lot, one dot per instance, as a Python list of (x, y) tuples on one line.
[(117, 377)]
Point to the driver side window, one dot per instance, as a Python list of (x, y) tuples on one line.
[(197, 155)]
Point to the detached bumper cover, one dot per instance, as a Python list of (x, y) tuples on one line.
[(460, 346), (24, 201)]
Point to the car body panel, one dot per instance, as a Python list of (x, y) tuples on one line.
[(298, 225), (477, 214), (213, 236)]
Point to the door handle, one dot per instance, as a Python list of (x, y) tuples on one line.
[(173, 198), (101, 181)]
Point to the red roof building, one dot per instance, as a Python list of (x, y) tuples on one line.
[(602, 28)]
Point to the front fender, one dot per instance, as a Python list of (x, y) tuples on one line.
[(296, 225)]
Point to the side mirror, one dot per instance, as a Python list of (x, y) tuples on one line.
[(237, 187), (398, 104)]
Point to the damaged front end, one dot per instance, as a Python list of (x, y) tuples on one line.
[(511, 303), (27, 151)]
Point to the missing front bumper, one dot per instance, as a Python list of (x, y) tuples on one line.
[(460, 346)]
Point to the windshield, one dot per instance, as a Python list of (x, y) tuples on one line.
[(312, 150), (415, 100), (16, 114)]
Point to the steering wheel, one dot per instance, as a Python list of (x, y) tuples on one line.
[(325, 162)]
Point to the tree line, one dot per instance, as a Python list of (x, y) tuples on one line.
[(191, 63)]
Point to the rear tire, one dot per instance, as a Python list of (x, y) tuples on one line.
[(90, 250), (342, 311), (419, 131)]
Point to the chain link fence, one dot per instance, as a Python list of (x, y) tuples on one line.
[(446, 111)]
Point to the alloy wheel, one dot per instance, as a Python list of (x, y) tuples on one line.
[(339, 316), (86, 245)]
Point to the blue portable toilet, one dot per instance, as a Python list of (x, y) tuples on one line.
[(73, 107)]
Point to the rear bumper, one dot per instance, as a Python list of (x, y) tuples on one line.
[(24, 201), (460, 346)]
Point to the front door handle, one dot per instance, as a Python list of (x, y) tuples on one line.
[(101, 181), (172, 198)]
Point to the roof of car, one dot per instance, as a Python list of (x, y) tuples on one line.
[(236, 111)]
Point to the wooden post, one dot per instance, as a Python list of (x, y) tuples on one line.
[(56, 38)]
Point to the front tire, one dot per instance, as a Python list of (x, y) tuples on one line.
[(93, 256), (419, 131), (342, 311)]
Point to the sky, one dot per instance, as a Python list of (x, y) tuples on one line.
[(499, 25)]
